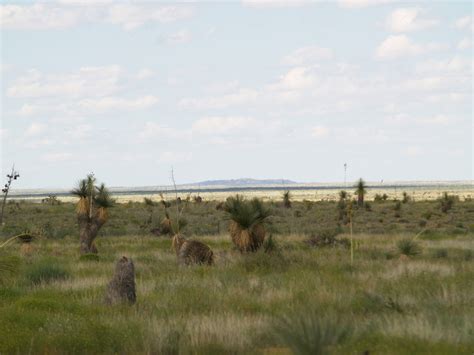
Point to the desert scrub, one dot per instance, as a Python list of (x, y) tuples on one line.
[(408, 247), (311, 333), (45, 271)]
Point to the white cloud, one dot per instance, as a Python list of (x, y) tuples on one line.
[(56, 157), (241, 96), (319, 131), (396, 46), (454, 65), (465, 43), (145, 73), (362, 3), (295, 79), (131, 16), (93, 81), (223, 125), (73, 13), (35, 129), (463, 22), (408, 20), (307, 55), (262, 4), (118, 103), (158, 131), (413, 151), (175, 157), (182, 36), (37, 16)]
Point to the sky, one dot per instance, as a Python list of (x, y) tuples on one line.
[(257, 88)]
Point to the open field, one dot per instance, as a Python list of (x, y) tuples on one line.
[(268, 303), (310, 192)]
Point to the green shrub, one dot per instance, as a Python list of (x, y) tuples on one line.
[(408, 247), (9, 266), (440, 253), (309, 333), (447, 202), (45, 272), (89, 257)]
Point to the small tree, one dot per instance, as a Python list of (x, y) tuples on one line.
[(92, 211), (12, 176), (360, 191)]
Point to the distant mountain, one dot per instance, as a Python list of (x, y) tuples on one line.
[(244, 182)]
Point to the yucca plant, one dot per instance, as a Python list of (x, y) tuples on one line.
[(246, 225), (408, 247), (92, 211), (360, 191), (311, 333), (287, 199)]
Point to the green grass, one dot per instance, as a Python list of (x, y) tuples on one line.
[(291, 298)]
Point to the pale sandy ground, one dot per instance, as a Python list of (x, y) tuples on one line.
[(416, 193)]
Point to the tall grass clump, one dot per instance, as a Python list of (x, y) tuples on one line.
[(309, 333), (408, 247), (46, 271), (9, 266), (247, 219)]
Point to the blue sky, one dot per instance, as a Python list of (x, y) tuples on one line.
[(258, 89)]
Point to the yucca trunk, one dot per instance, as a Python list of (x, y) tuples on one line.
[(89, 227), (360, 198), (247, 239)]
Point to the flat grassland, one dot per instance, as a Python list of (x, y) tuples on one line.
[(296, 298)]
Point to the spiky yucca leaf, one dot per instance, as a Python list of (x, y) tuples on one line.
[(102, 197), (246, 213), (9, 265), (81, 190)]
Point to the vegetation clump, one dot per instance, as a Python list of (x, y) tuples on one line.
[(447, 202), (246, 225), (311, 333), (287, 199), (92, 211), (191, 252), (327, 238), (408, 247), (361, 190), (45, 272)]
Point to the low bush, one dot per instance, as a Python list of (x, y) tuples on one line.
[(408, 247), (46, 271)]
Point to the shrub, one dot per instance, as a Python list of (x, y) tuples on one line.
[(397, 206), (9, 265), (408, 247), (447, 202), (440, 253), (89, 257), (309, 333), (45, 272), (327, 238), (406, 198)]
